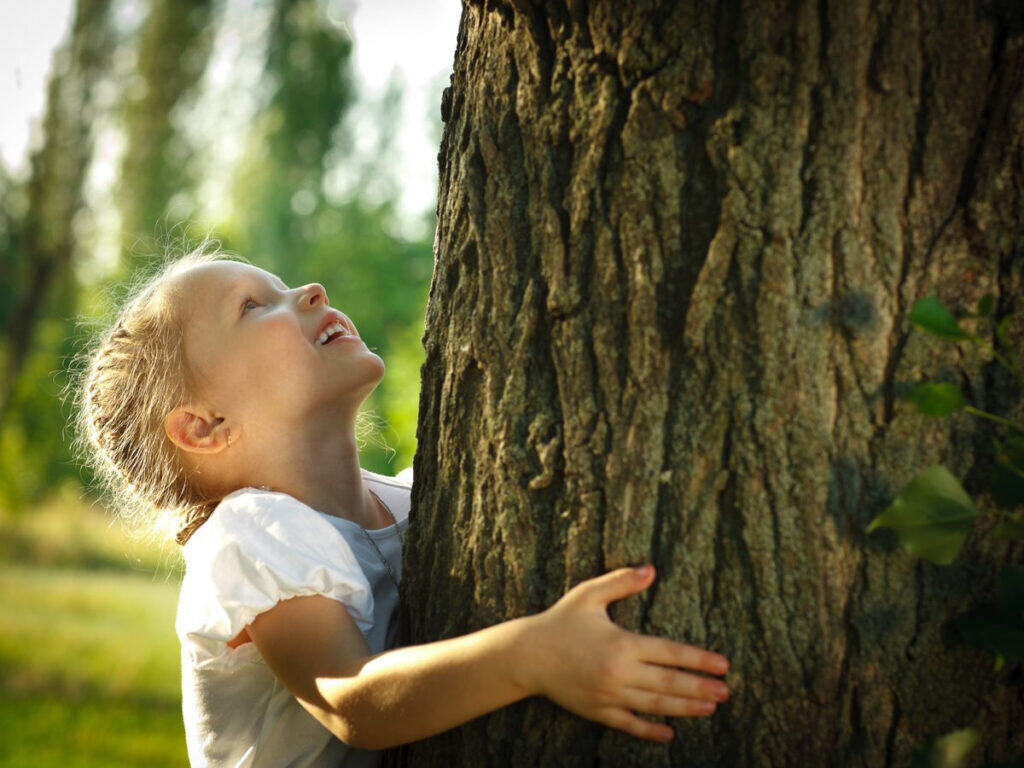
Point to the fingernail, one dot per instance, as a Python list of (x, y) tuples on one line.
[(707, 707), (642, 570), (721, 665), (721, 692)]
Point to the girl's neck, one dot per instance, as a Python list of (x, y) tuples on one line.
[(325, 474)]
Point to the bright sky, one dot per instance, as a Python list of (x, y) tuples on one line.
[(28, 34), (413, 40)]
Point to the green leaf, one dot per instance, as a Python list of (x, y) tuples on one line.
[(931, 315), (947, 751), (934, 399), (987, 629), (986, 304), (932, 516)]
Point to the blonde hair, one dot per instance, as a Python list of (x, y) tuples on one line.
[(133, 376)]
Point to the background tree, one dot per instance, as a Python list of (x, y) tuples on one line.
[(167, 121), (677, 250), (310, 87), (37, 240), (171, 49), (287, 220), (141, 81)]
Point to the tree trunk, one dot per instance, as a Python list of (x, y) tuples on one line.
[(677, 250), (174, 45), (47, 237)]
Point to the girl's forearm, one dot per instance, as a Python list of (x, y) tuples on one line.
[(316, 650), (418, 691)]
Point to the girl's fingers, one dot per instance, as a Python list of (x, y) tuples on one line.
[(651, 703), (617, 584), (657, 650), (624, 720), (672, 682)]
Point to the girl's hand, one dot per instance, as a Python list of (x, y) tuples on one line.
[(582, 661)]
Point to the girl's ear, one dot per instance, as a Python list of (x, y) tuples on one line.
[(190, 430)]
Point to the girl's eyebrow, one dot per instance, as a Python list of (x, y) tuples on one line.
[(277, 282), (244, 286), (236, 293), (232, 300)]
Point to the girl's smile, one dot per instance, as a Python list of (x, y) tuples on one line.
[(333, 328), (279, 372), (334, 331), (263, 350)]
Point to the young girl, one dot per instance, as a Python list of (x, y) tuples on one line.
[(227, 402)]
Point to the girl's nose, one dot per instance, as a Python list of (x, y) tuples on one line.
[(311, 295)]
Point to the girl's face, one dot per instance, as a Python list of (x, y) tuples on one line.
[(262, 353)]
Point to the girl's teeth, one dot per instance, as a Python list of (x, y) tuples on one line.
[(330, 330)]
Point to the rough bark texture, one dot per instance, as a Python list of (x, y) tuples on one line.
[(677, 249)]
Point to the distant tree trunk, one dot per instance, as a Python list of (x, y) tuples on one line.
[(173, 48), (46, 236), (677, 249), (280, 181)]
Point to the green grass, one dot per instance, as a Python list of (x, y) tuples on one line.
[(88, 657), (44, 730), (71, 533), (73, 632)]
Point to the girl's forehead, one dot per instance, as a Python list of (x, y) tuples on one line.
[(220, 276), (206, 289)]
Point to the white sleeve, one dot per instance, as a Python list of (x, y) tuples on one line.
[(257, 549)]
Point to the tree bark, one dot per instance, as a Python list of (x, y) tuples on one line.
[(677, 249)]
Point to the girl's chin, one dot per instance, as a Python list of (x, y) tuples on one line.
[(356, 389), (334, 393)]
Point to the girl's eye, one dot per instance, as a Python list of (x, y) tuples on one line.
[(249, 303)]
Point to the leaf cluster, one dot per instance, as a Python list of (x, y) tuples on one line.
[(932, 515)]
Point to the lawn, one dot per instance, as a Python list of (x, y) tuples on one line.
[(88, 658)]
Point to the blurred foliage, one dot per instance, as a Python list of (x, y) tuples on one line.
[(171, 51), (68, 533), (38, 303), (299, 203), (88, 656), (134, 133), (59, 731), (34, 438), (280, 183), (933, 515)]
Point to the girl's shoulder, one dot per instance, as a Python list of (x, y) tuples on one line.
[(252, 510), (257, 548), (265, 526)]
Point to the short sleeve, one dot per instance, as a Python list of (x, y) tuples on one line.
[(256, 549)]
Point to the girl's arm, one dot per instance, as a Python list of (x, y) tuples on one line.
[(571, 653)]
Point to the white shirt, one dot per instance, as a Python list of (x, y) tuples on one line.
[(256, 549)]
